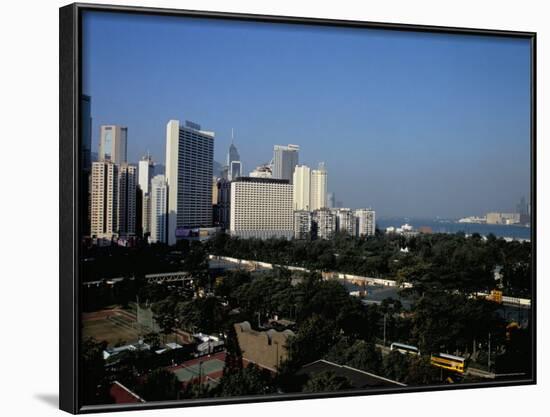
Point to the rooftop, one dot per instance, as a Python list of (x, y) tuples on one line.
[(357, 377), (123, 395), (262, 180)]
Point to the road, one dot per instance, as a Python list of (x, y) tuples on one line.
[(469, 371)]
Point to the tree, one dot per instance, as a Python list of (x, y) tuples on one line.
[(196, 263), (445, 322), (165, 315), (206, 314), (94, 378), (421, 372), (153, 340), (396, 366), (313, 340), (233, 356), (365, 356), (248, 381), (160, 385), (357, 354), (327, 382)]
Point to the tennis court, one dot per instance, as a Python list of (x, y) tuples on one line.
[(187, 373), (112, 326)]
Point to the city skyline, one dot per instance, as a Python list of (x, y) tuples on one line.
[(280, 209), (468, 125)]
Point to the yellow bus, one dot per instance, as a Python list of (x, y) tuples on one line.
[(446, 361)]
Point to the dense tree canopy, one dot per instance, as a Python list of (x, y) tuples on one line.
[(327, 382), (433, 261), (442, 313), (160, 385)]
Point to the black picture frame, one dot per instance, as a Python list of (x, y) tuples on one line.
[(70, 42)]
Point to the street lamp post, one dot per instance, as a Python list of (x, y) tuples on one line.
[(489, 355), (384, 329)]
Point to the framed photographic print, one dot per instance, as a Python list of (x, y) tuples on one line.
[(260, 208)]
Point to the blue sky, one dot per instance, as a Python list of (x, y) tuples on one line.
[(411, 124)]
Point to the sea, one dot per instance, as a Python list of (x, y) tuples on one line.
[(452, 226)]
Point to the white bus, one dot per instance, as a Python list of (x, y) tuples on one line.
[(405, 349)]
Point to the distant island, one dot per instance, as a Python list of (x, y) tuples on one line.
[(519, 219)]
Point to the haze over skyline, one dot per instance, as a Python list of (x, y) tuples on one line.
[(410, 124)]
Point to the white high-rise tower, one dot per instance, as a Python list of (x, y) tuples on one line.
[(146, 170), (104, 192), (301, 188), (189, 159), (159, 200), (319, 187)]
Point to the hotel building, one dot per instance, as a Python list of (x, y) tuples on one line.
[(261, 208)]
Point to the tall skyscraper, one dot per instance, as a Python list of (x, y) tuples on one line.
[(104, 200), (233, 162), (319, 187), (85, 163), (234, 165), (323, 224), (86, 132), (159, 204), (365, 221), (261, 208), (301, 188), (285, 158), (215, 190), (331, 201), (235, 169), (223, 217), (112, 143), (146, 171), (521, 208), (189, 160), (126, 206), (302, 224)]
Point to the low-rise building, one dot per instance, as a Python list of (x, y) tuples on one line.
[(357, 378), (323, 223), (365, 222), (345, 221), (302, 224), (503, 218), (266, 349)]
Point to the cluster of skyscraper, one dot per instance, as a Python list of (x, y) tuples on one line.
[(278, 199), (113, 187), (285, 199), (128, 201)]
